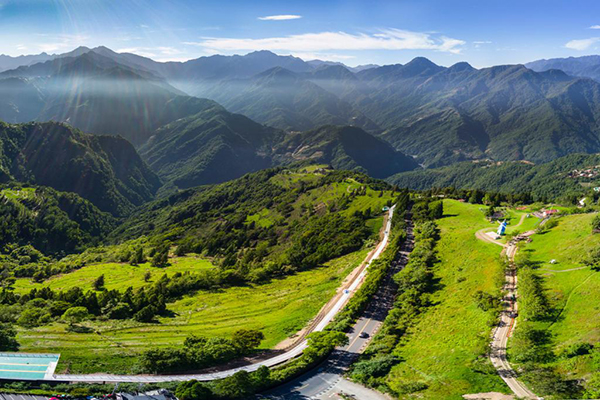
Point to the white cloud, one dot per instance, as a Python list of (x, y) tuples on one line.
[(284, 17), (595, 27), (62, 42), (582, 44), (323, 56), (482, 42), (156, 53), (388, 39)]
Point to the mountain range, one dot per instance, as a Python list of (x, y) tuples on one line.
[(585, 66), (217, 118)]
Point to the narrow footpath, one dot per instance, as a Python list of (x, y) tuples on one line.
[(507, 321)]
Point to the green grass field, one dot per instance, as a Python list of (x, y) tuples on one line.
[(572, 288), (279, 309), (445, 348), (117, 276)]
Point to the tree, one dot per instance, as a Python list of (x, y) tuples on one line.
[(161, 257), (99, 283), (596, 224), (147, 276), (247, 339), (237, 386), (75, 315), (261, 377), (30, 317), (146, 314), (193, 390), (8, 341), (138, 256)]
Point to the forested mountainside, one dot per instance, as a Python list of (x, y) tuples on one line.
[(443, 115), (439, 115), (284, 99), (214, 146), (93, 93), (266, 221), (565, 178), (54, 223), (211, 146), (345, 148), (106, 170)]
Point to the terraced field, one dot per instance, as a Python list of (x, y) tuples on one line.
[(279, 308)]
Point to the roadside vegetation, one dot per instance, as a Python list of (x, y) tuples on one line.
[(555, 345), (434, 343), (264, 252)]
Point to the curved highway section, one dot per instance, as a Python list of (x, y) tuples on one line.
[(326, 381), (279, 359)]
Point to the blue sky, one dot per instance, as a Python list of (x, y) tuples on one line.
[(483, 33)]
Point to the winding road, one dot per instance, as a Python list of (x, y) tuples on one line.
[(326, 382), (327, 315), (507, 321)]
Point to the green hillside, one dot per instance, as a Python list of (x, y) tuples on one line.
[(563, 178), (556, 340), (265, 252), (105, 170), (50, 221)]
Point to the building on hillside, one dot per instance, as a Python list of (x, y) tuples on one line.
[(549, 213)]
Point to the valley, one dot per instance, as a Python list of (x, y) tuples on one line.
[(274, 212)]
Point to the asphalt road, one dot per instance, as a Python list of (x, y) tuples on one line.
[(326, 381), (276, 360)]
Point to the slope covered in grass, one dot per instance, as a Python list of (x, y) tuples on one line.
[(443, 356), (278, 308), (571, 288)]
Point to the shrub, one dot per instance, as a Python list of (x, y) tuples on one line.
[(75, 315)]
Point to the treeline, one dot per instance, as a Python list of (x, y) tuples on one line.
[(199, 352), (543, 182), (414, 283), (476, 196)]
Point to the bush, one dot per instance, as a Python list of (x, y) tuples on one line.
[(8, 341), (596, 224), (75, 315), (31, 317)]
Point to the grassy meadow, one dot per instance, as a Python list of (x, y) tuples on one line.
[(446, 347), (279, 309), (572, 288)]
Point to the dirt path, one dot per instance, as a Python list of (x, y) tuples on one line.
[(507, 321), (482, 233)]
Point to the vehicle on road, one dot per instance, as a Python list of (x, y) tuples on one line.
[(363, 335)]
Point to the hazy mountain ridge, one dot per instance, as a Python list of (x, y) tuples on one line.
[(585, 66)]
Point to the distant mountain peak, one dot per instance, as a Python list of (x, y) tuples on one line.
[(421, 62), (461, 66)]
